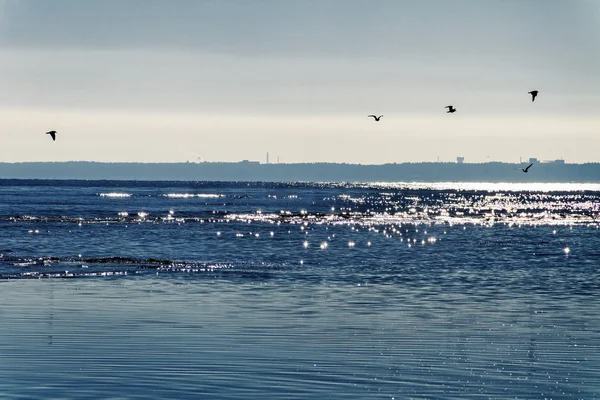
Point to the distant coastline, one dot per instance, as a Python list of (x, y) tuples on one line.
[(307, 172)]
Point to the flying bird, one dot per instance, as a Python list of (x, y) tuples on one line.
[(527, 169), (375, 117), (450, 109), (533, 94), (52, 133)]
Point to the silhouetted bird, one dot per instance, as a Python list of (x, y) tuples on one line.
[(533, 93), (527, 169), (375, 116), (52, 133), (450, 109)]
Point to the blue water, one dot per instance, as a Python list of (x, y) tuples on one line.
[(186, 290)]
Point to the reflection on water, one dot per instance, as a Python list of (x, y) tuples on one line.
[(151, 338), (234, 290), (488, 186)]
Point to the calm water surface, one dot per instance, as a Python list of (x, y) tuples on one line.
[(186, 290)]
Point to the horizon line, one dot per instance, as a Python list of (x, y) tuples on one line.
[(254, 162)]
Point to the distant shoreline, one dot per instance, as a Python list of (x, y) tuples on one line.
[(493, 172)]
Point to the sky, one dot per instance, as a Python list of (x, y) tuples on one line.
[(226, 80)]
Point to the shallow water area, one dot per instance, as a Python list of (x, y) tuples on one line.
[(237, 290)]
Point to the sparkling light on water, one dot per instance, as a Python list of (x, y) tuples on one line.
[(458, 292)]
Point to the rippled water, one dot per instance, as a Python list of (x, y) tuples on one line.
[(234, 290)]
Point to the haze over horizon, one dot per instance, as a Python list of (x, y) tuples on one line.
[(156, 81)]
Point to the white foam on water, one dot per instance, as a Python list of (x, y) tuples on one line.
[(192, 195), (115, 195)]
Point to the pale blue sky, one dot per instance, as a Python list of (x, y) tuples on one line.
[(148, 80)]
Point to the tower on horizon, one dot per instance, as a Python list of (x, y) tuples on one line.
[(267, 157)]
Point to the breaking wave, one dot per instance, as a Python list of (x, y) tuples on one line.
[(82, 267), (115, 195), (191, 195)]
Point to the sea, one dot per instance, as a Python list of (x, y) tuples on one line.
[(238, 290)]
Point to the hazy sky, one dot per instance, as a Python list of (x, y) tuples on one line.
[(150, 80)]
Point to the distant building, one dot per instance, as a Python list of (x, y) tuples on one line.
[(560, 161), (533, 160), (249, 162), (460, 160)]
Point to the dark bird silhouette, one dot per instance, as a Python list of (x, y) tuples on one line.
[(52, 133), (375, 117), (533, 94), (450, 109), (526, 169)]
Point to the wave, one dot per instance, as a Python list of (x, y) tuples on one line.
[(414, 215), (191, 195), (120, 195), (115, 195), (82, 267)]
